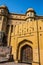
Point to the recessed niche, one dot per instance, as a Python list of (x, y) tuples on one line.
[(40, 28), (40, 34), (0, 17)]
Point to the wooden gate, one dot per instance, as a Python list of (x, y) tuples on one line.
[(26, 54)]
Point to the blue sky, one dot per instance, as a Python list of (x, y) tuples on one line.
[(20, 6)]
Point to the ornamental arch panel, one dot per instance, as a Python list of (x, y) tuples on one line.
[(25, 51)]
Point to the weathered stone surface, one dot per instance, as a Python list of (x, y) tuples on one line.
[(12, 63)]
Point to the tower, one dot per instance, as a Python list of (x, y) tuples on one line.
[(3, 17), (30, 14), (3, 22)]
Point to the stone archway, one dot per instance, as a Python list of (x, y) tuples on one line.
[(21, 51)]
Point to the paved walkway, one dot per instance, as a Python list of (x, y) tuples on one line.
[(12, 63)]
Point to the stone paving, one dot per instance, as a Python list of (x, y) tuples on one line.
[(12, 63)]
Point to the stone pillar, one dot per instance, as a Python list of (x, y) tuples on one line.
[(9, 36), (15, 57)]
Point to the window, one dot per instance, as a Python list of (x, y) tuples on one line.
[(30, 14), (11, 28), (2, 11), (0, 17), (5, 19), (7, 29)]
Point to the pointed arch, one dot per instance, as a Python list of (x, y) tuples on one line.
[(21, 45)]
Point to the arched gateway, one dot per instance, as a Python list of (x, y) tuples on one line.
[(25, 52)]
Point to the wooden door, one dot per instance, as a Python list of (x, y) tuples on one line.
[(26, 54)]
